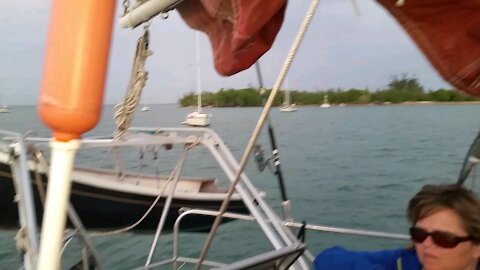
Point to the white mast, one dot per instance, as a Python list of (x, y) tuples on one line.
[(287, 93), (199, 82)]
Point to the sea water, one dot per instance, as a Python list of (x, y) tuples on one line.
[(352, 166)]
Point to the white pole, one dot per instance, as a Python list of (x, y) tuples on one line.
[(199, 75), (287, 93), (58, 194), (145, 11)]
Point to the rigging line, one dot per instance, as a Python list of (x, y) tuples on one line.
[(474, 178), (256, 131), (275, 153), (356, 8), (471, 159), (261, 85), (126, 6)]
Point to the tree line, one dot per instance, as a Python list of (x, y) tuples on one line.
[(400, 89)]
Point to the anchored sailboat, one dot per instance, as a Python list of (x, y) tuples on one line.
[(325, 103), (198, 118), (145, 108), (287, 106), (4, 109)]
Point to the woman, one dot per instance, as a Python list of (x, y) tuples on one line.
[(445, 232), (446, 227)]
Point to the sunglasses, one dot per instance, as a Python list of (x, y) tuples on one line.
[(441, 239)]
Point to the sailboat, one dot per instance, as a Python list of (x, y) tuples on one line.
[(430, 23), (145, 108), (96, 191), (4, 109), (198, 118), (287, 106), (325, 103)]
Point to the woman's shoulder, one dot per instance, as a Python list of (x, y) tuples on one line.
[(340, 258)]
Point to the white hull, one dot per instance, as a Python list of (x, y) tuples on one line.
[(291, 108), (4, 109), (145, 108), (197, 119)]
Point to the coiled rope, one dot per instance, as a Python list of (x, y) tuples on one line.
[(138, 78)]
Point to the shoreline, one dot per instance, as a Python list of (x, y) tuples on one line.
[(408, 103)]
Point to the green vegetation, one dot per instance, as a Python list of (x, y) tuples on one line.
[(400, 89)]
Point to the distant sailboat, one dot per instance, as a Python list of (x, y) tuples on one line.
[(198, 118), (4, 109), (287, 106), (325, 103), (145, 108)]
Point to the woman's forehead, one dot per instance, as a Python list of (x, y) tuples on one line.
[(442, 219)]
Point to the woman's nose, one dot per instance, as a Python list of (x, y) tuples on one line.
[(428, 241)]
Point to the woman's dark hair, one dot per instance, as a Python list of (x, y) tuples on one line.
[(432, 198)]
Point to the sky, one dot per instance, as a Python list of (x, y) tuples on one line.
[(342, 49)]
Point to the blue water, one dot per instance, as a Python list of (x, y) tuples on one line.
[(344, 166)]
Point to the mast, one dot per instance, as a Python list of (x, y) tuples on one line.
[(287, 93), (199, 77)]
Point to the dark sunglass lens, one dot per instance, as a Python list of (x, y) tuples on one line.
[(444, 240), (418, 235), (441, 239)]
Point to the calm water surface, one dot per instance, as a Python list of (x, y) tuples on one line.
[(345, 166)]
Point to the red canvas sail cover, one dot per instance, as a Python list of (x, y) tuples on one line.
[(448, 33), (240, 31)]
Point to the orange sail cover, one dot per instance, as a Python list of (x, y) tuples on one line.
[(448, 33), (240, 31)]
